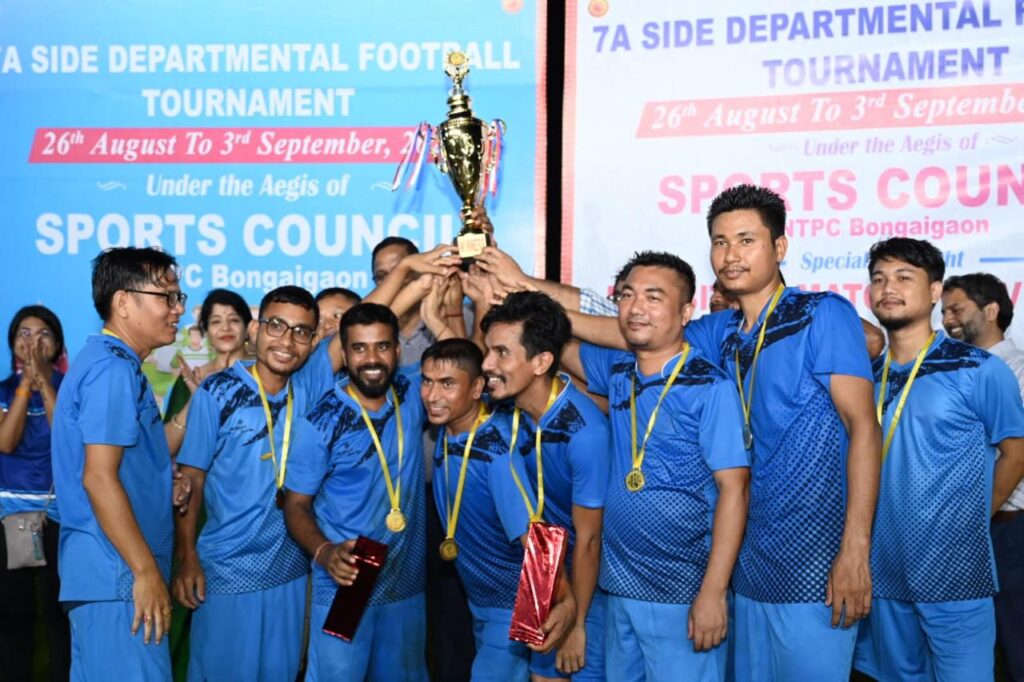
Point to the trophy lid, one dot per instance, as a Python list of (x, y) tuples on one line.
[(456, 66)]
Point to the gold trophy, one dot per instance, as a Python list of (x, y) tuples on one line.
[(468, 150)]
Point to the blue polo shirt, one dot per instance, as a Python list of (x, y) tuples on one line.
[(26, 473), (106, 400), (343, 474)]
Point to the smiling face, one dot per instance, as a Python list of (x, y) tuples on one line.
[(225, 329), (507, 368), (371, 355), (151, 322), (448, 392), (744, 256), (962, 318), (652, 312), (282, 355), (901, 293), (331, 310)]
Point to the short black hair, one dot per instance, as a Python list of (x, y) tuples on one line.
[(663, 259), (223, 297), (769, 205), (984, 288), (461, 353), (127, 267), (339, 291), (365, 314), (44, 315), (918, 252), (409, 247), (546, 326), (293, 295)]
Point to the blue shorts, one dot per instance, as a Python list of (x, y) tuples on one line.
[(647, 641), (947, 641), (498, 658), (389, 645), (790, 642), (593, 666), (250, 637), (103, 648)]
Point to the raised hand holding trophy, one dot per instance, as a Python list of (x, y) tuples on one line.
[(467, 150)]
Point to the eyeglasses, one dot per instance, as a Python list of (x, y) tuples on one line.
[(173, 298), (26, 333), (277, 328)]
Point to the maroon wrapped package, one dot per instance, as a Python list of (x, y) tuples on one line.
[(350, 600), (546, 545)]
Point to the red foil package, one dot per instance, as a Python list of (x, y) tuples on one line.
[(350, 601), (546, 545)]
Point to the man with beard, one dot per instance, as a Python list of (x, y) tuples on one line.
[(245, 577), (113, 470), (977, 309), (799, 360), (676, 501), (944, 407), (484, 500), (525, 337), (365, 478)]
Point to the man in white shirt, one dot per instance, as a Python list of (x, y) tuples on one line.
[(977, 309)]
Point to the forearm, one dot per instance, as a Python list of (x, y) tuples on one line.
[(49, 396), (1008, 473), (863, 469), (565, 294), (385, 292), (408, 298), (114, 515), (302, 526), (174, 429), (586, 562), (727, 528), (186, 526), (12, 425), (598, 330)]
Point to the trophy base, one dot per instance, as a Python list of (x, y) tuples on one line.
[(471, 245)]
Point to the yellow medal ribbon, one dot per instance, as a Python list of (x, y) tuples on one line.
[(449, 549), (272, 456), (635, 479), (395, 519), (747, 398), (883, 389), (537, 514)]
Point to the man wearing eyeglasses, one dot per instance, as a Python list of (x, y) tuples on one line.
[(245, 577), (113, 469)]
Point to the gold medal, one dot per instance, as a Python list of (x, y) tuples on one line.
[(395, 521), (449, 549), (635, 480)]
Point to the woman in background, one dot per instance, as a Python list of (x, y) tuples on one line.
[(27, 398)]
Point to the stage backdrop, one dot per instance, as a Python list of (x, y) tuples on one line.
[(872, 120), (256, 140)]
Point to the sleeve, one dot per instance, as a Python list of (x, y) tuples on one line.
[(307, 463), (995, 398), (597, 365), (706, 334), (316, 377), (837, 342), (508, 500), (589, 454), (720, 429), (107, 390), (202, 431)]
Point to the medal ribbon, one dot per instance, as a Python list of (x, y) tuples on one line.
[(272, 456), (452, 511), (537, 514), (394, 491), (903, 394), (747, 399), (638, 457)]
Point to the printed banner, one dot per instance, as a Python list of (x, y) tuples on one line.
[(256, 141), (872, 120)]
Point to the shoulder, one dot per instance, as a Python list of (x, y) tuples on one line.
[(798, 304), (699, 370), (222, 386), (950, 354)]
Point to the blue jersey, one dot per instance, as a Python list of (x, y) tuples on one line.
[(25, 472), (798, 466), (243, 546), (574, 441), (106, 400), (493, 515), (931, 540), (343, 473), (657, 540)]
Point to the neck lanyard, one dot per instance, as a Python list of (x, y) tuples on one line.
[(395, 520), (747, 398), (537, 514), (635, 479), (107, 332), (286, 445), (883, 389), (449, 549)]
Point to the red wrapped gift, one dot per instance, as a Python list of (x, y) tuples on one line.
[(350, 600), (546, 545)]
